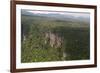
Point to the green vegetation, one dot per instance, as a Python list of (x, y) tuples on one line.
[(35, 47)]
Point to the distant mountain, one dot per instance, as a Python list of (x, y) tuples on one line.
[(58, 16)]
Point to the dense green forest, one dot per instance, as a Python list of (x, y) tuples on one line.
[(50, 39)]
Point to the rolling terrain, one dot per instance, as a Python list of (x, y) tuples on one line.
[(54, 37)]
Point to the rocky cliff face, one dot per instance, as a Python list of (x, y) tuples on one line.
[(53, 39)]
